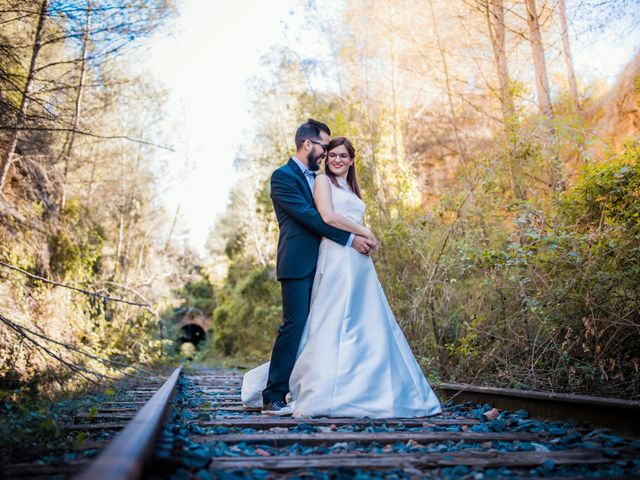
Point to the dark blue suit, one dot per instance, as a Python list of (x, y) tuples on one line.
[(301, 229)]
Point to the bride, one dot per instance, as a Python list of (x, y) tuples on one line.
[(353, 359)]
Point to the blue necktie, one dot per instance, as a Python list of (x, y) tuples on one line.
[(311, 177)]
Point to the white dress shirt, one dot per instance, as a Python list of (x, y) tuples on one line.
[(310, 178)]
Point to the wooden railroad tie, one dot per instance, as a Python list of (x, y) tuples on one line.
[(278, 439), (260, 422), (469, 458)]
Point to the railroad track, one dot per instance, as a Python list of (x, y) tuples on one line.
[(194, 426)]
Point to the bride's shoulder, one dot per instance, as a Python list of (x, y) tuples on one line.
[(321, 177)]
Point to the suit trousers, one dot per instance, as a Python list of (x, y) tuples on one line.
[(296, 297)]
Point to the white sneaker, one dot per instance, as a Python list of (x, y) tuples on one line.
[(277, 409)]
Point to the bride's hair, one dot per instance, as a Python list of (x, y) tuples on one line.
[(352, 180)]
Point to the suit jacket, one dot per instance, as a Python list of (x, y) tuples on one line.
[(301, 226)]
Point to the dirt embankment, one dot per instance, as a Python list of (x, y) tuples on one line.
[(616, 115)]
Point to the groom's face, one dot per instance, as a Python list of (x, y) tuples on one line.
[(318, 154)]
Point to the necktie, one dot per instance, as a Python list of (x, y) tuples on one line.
[(311, 178)]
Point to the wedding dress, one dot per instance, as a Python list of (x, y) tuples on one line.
[(353, 359)]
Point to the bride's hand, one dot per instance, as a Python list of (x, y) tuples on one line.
[(371, 237)]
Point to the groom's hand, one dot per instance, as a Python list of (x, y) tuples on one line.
[(364, 245)]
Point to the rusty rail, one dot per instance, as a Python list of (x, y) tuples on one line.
[(617, 414), (126, 455)]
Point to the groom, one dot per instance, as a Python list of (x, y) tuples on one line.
[(301, 229)]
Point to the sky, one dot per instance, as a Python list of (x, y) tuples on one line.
[(204, 64)]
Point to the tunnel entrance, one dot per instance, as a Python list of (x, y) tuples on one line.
[(192, 326), (193, 333)]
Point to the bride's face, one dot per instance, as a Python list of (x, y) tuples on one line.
[(338, 161)]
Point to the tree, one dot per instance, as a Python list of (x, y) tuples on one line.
[(539, 62), (107, 26), (568, 59), (19, 119), (494, 10), (68, 91), (68, 147), (445, 69)]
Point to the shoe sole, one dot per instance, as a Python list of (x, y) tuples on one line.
[(271, 413)]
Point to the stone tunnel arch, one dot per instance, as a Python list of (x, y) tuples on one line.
[(193, 327)]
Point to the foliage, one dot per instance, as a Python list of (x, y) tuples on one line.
[(196, 297), (33, 428), (78, 205), (494, 275), (197, 293), (249, 312), (608, 196), (75, 253), (556, 302)]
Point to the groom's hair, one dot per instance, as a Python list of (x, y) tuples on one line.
[(310, 130)]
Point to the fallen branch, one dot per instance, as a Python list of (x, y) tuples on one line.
[(25, 333), (83, 372), (77, 289), (146, 305)]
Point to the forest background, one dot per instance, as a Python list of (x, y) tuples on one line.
[(503, 189), (505, 192)]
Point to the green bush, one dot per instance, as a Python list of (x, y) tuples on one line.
[(557, 302), (609, 194), (76, 249), (248, 313)]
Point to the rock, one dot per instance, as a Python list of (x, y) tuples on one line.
[(279, 430), (346, 428), (340, 445), (304, 428), (262, 453), (480, 428), (497, 425), (492, 414), (539, 447)]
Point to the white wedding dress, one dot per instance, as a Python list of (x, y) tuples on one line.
[(353, 360)]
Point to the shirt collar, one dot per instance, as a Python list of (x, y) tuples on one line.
[(302, 166)]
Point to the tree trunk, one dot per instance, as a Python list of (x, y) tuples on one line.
[(544, 98), (494, 12), (78, 108), (454, 120), (92, 177), (7, 156), (496, 26), (132, 209), (568, 59), (173, 226), (539, 63), (393, 61)]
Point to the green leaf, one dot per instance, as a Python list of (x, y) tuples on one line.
[(81, 437), (93, 411)]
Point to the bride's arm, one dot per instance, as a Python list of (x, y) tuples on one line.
[(324, 204)]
